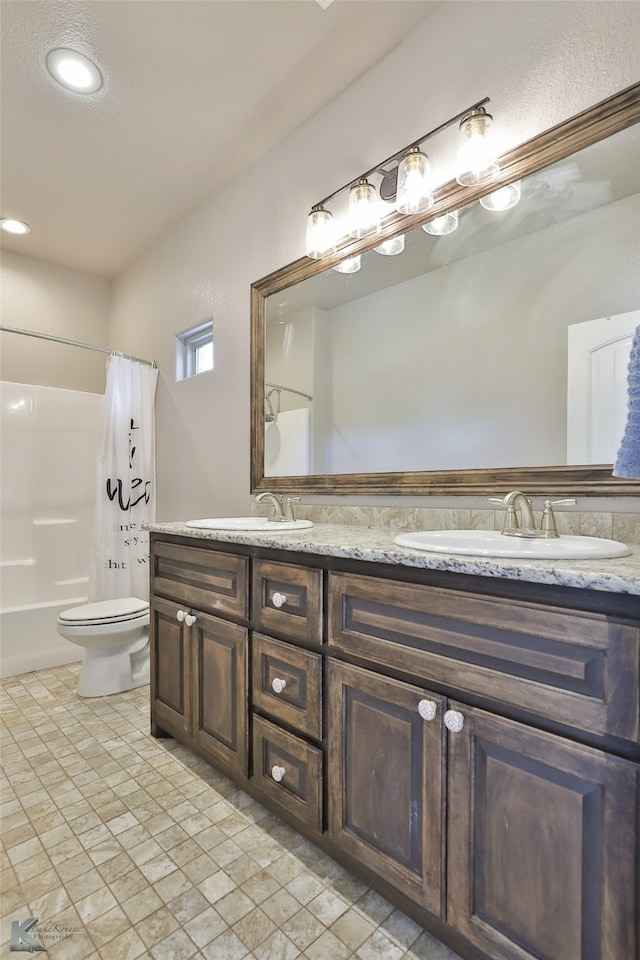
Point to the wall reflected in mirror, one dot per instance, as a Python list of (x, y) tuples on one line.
[(479, 348)]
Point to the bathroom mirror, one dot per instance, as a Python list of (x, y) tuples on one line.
[(451, 368)]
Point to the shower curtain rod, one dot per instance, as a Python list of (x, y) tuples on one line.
[(279, 386), (76, 343)]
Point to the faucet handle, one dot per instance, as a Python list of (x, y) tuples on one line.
[(289, 502), (549, 529), (511, 517)]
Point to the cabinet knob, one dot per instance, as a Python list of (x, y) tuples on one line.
[(454, 721), (190, 619), (427, 709), (278, 684), (279, 599), (180, 615), (278, 773)]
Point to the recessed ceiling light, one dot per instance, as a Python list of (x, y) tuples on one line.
[(74, 71), (14, 226)]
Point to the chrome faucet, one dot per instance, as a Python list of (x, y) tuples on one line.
[(283, 509)]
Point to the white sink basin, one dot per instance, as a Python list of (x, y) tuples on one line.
[(491, 543), (252, 524)]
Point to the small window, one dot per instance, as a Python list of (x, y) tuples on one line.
[(194, 351)]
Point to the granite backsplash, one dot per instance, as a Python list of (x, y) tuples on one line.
[(611, 525)]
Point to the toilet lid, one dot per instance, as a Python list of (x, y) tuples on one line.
[(106, 611)]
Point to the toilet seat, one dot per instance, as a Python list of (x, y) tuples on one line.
[(105, 612)]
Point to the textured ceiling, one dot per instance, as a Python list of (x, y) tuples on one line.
[(195, 91)]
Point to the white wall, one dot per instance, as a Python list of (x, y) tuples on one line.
[(539, 62), (422, 401), (41, 296)]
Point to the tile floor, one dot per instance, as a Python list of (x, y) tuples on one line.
[(123, 846)]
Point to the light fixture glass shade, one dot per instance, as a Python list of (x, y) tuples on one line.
[(14, 226), (447, 223), (391, 248), (320, 240), (503, 198), (415, 193), (351, 265), (73, 70), (364, 216), (476, 159)]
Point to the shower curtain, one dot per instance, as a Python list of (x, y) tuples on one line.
[(126, 483)]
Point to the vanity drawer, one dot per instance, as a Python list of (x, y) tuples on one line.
[(579, 669), (299, 702), (211, 581), (287, 601), (289, 772)]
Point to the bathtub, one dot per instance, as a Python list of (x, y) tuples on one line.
[(50, 443), (29, 639)]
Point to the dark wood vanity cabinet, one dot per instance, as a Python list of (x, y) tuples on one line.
[(171, 673), (472, 753), (287, 691), (541, 843), (386, 780), (199, 662), (536, 833), (199, 689)]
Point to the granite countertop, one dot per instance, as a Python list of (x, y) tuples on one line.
[(620, 575)]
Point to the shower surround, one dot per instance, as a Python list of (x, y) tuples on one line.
[(50, 443)]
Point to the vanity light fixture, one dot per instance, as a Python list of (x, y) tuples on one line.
[(415, 193), (16, 227), (392, 247), (404, 183), (320, 233), (364, 216), (477, 162), (440, 226), (503, 198), (73, 70), (351, 265)]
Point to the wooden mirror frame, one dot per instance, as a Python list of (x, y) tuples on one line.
[(606, 118)]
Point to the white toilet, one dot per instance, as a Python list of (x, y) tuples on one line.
[(115, 637)]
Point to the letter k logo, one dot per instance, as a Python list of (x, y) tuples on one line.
[(21, 940)]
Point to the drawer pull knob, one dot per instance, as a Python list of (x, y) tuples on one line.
[(454, 721), (427, 709), (190, 619), (279, 599), (278, 773), (180, 615), (278, 684)]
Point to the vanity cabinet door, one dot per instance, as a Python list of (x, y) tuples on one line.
[(542, 843), (170, 670), (385, 772), (220, 698)]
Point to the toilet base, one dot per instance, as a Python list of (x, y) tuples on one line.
[(104, 674)]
